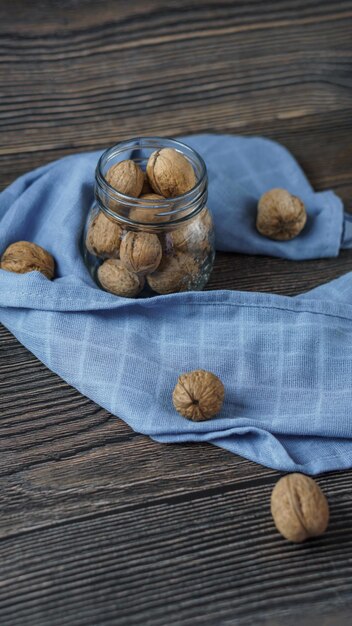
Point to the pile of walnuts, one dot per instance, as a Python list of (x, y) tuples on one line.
[(169, 260)]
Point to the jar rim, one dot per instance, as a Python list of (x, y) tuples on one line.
[(138, 143), (176, 210)]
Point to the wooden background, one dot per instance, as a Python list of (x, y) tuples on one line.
[(99, 525)]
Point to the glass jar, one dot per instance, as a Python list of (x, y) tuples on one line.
[(147, 245)]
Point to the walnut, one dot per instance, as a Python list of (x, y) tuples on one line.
[(280, 215), (141, 252), (175, 273), (194, 234), (299, 508), (126, 177), (104, 237), (115, 277), (147, 216), (23, 256), (198, 395), (170, 173)]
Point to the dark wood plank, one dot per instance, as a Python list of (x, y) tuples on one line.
[(100, 525)]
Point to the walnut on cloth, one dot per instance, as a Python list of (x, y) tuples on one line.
[(280, 215), (198, 395), (24, 256)]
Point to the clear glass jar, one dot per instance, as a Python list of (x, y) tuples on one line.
[(174, 249)]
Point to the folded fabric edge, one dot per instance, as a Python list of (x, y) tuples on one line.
[(279, 459), (35, 292), (347, 232)]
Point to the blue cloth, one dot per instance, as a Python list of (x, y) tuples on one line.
[(286, 363)]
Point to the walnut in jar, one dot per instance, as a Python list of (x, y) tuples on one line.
[(149, 215), (126, 177), (169, 173), (141, 252), (104, 237), (116, 278), (193, 234), (175, 273)]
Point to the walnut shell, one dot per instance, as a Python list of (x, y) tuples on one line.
[(194, 234), (198, 395), (104, 237), (280, 215), (299, 508), (146, 216), (169, 173), (141, 252), (126, 177), (175, 273), (115, 277), (24, 256)]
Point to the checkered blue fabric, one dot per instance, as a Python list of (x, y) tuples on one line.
[(286, 363)]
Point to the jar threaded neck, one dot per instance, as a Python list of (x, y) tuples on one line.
[(172, 211)]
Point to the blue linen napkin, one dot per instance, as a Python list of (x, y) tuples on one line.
[(285, 362)]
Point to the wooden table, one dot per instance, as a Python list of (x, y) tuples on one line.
[(98, 524)]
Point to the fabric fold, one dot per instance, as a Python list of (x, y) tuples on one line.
[(240, 170)]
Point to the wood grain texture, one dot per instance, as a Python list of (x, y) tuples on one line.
[(100, 525)]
